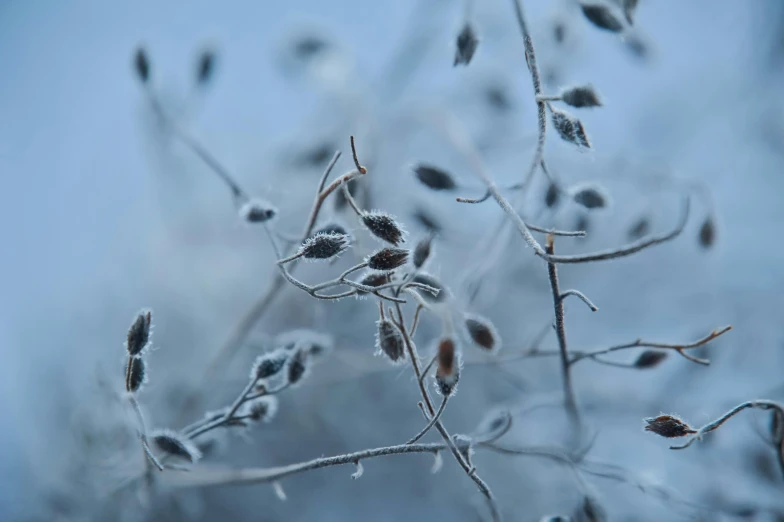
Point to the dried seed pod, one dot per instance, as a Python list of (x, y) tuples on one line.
[(707, 233), (434, 178), (297, 367), (427, 221), (552, 195), (387, 259), (668, 426), (482, 332), (139, 333), (467, 43), (384, 227), (135, 374), (205, 67), (389, 341), (649, 359), (174, 444), (569, 128), (422, 251), (602, 17), (431, 281), (324, 246), (269, 364), (448, 371), (141, 64), (374, 279), (629, 9), (639, 228), (590, 196), (309, 46), (592, 510), (260, 409), (257, 211), (581, 96)]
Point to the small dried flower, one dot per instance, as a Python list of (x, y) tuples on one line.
[(640, 228), (422, 251), (448, 371), (467, 43), (135, 374), (668, 426), (139, 333), (570, 128), (629, 8), (141, 64), (482, 332), (384, 227), (324, 246), (257, 211), (707, 233), (374, 279), (649, 359), (174, 444), (260, 409), (582, 96), (552, 195), (269, 364), (590, 196), (388, 259), (593, 511), (297, 367), (434, 178), (429, 280), (205, 67), (389, 341), (601, 16)]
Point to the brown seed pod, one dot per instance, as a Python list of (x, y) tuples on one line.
[(668, 426)]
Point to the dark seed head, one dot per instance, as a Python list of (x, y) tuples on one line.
[(552, 195), (707, 233), (261, 409), (482, 332), (583, 96), (205, 67), (649, 359), (257, 211), (309, 46), (324, 246), (384, 227), (570, 128), (601, 16), (448, 370), (139, 333), (467, 43), (434, 178), (135, 374), (422, 251), (297, 367), (374, 279), (668, 426), (141, 64), (388, 259), (389, 341), (269, 364), (590, 196), (174, 444)]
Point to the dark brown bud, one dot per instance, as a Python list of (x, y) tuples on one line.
[(602, 17), (422, 251), (135, 374), (139, 333), (649, 359), (590, 196), (467, 43), (176, 445), (707, 233), (448, 371), (297, 367), (482, 332), (260, 409), (570, 128), (668, 426), (389, 341), (309, 46), (388, 259), (374, 279), (582, 96), (434, 178), (324, 246), (257, 211), (141, 64), (384, 227), (269, 364)]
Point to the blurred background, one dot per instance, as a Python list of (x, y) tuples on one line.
[(106, 211)]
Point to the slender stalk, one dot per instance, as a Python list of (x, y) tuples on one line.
[(430, 424)]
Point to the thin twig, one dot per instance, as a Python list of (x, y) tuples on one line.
[(581, 296), (430, 424), (142, 431)]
